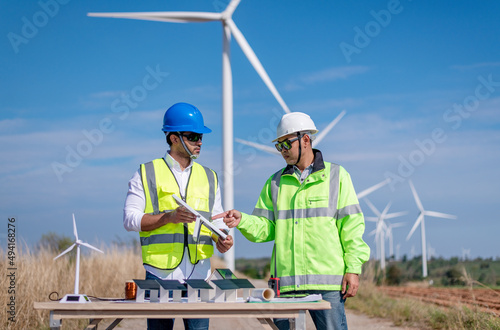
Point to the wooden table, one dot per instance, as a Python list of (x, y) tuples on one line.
[(96, 311)]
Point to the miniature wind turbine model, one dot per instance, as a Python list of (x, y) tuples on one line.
[(228, 29), (76, 297), (420, 221)]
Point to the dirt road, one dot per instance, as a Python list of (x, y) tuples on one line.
[(355, 321)]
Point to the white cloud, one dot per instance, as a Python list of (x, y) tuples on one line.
[(326, 75)]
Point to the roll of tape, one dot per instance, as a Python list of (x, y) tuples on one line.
[(130, 290)]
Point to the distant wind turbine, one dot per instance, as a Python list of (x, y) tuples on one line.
[(390, 238), (465, 254), (228, 29), (420, 221), (381, 228), (76, 297)]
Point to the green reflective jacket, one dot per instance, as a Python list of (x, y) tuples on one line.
[(317, 227), (163, 247)]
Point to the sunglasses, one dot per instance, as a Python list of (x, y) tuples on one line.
[(193, 137), (287, 144)]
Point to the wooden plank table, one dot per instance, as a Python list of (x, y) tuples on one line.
[(96, 311)]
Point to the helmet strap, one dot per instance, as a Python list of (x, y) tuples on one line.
[(186, 148), (300, 148)]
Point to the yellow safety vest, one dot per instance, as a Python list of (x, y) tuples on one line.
[(164, 247), (317, 226)]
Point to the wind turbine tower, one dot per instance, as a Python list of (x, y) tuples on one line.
[(229, 29), (421, 221)]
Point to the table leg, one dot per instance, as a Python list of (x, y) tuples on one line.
[(114, 324), (299, 323), (53, 323), (93, 324), (268, 324)]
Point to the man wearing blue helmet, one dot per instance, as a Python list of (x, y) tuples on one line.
[(166, 230)]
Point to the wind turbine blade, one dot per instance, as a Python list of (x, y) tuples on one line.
[(66, 251), (372, 207), (415, 196), (384, 212), (262, 147), (231, 7), (371, 219), (91, 247), (417, 222), (165, 16), (395, 215), (249, 53), (368, 191), (397, 224), (74, 227), (440, 215), (328, 128)]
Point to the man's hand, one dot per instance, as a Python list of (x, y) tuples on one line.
[(224, 245), (232, 218), (181, 215), (350, 285)]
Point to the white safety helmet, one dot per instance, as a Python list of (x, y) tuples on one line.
[(295, 122)]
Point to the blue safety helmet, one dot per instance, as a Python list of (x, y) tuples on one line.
[(184, 117)]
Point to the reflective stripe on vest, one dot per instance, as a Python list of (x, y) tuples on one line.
[(311, 279), (174, 238), (331, 211), (200, 195)]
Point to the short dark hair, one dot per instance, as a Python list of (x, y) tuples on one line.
[(168, 134)]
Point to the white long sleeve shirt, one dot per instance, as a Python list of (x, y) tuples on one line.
[(133, 212)]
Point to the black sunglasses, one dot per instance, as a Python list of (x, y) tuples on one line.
[(193, 137), (287, 144)]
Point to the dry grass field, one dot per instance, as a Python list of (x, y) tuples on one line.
[(101, 275), (409, 309), (104, 275)]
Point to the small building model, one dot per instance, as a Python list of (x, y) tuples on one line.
[(198, 286), (244, 284), (142, 286), (174, 286), (219, 274), (225, 290)]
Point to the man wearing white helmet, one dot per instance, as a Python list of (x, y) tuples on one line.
[(310, 209), (166, 231)]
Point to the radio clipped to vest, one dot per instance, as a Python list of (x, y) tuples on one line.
[(199, 220)]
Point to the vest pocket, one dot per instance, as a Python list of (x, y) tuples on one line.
[(317, 201)]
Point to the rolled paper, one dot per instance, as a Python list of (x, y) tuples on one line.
[(266, 294)]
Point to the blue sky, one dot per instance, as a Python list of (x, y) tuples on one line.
[(82, 101)]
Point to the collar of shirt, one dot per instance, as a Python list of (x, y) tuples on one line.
[(174, 165), (304, 174)]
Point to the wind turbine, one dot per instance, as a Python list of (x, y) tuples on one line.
[(76, 297), (381, 228), (390, 237), (420, 221), (228, 29)]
